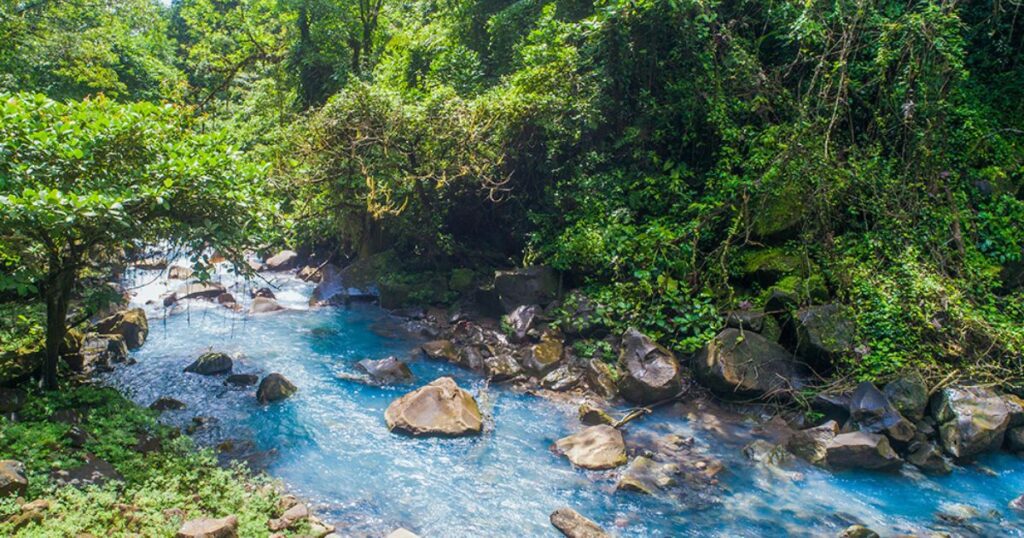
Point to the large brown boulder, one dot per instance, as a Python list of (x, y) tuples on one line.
[(12, 478), (209, 528), (282, 261), (573, 525), (273, 388), (596, 447), (861, 450), (971, 420), (97, 350), (745, 364), (130, 324), (528, 285), (440, 409), (544, 357), (211, 363), (650, 373), (441, 350)]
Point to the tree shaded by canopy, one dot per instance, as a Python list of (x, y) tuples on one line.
[(86, 178)]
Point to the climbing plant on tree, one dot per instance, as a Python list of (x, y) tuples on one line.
[(83, 178)]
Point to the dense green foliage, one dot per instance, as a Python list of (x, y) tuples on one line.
[(675, 159), (175, 476)]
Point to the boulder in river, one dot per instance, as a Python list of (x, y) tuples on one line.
[(573, 525), (528, 285), (1015, 439), (198, 290), (440, 409), (861, 450), (596, 447), (263, 305), (824, 333), (263, 292), (744, 364), (13, 480), (282, 261), (385, 371), (226, 527), (651, 373), (858, 531), (929, 458), (165, 403), (130, 324), (562, 378), (972, 420), (210, 363), (273, 388)]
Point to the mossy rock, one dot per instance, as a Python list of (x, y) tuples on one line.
[(779, 213), (772, 264), (811, 289), (19, 364)]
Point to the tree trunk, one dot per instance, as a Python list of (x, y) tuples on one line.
[(58, 292)]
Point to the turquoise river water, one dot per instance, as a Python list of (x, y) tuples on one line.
[(329, 444)]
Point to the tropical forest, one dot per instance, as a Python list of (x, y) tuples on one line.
[(507, 268)]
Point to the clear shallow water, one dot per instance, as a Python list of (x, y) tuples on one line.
[(331, 446)]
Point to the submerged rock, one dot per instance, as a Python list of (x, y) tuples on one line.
[(644, 475), (651, 373), (858, 531), (273, 388), (972, 420), (130, 324), (385, 371), (13, 480), (528, 285), (597, 447), (211, 363), (209, 528), (282, 261), (241, 380), (440, 409), (746, 364), (861, 450), (165, 403), (573, 525)]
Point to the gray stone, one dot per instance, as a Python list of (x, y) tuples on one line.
[(242, 380), (502, 367), (909, 395), (811, 444), (871, 412), (282, 261), (745, 364), (543, 357), (929, 458), (861, 450), (972, 420), (521, 320), (198, 290), (528, 285), (858, 531), (644, 475), (263, 305), (165, 403), (824, 333), (13, 480), (651, 372), (386, 371)]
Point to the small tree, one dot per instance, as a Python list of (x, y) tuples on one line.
[(79, 178)]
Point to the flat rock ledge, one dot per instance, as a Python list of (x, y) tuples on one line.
[(596, 448), (440, 409)]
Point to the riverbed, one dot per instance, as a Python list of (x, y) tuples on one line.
[(329, 444)]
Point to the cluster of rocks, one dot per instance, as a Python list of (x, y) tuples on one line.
[(273, 387), (902, 424), (292, 514), (106, 342)]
